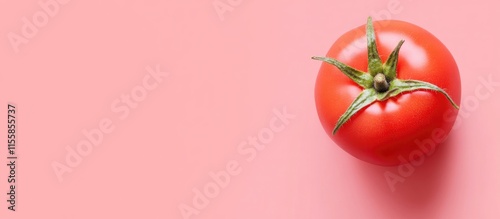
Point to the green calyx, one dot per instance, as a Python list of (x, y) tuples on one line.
[(380, 82)]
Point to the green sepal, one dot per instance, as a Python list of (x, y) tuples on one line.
[(400, 86), (367, 97), (374, 62), (392, 62), (362, 79)]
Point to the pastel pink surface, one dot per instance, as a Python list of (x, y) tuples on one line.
[(225, 79)]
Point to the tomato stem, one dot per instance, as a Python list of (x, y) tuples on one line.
[(380, 83)]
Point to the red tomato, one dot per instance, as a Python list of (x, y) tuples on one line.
[(401, 128)]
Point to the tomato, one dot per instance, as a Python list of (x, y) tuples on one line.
[(401, 121)]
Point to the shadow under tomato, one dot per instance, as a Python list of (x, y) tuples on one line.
[(419, 190)]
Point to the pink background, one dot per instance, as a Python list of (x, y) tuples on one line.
[(225, 79)]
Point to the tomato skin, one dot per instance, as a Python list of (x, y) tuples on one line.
[(397, 130)]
